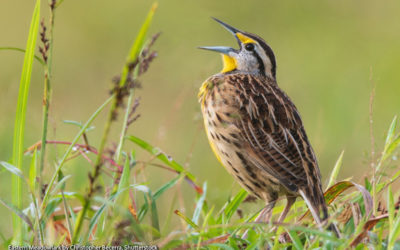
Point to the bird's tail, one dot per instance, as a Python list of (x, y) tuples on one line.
[(316, 203)]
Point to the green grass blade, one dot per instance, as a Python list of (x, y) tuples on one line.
[(199, 205), (155, 223), (161, 156), (390, 134), (336, 170), (124, 181), (60, 184), (136, 47), (394, 233), (17, 212), (20, 114), (143, 209), (391, 148), (316, 232), (109, 202), (12, 169), (391, 212), (138, 44), (221, 246), (49, 210), (33, 171), (23, 51), (234, 204), (390, 205), (296, 240), (388, 141), (166, 186)]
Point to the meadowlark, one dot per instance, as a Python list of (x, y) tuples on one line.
[(256, 131)]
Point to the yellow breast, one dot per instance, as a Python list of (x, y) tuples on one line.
[(202, 95)]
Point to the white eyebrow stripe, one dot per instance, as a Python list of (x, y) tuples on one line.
[(266, 60)]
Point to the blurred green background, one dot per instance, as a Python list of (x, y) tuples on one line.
[(329, 55)]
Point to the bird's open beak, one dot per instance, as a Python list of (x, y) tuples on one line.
[(222, 49), (227, 52)]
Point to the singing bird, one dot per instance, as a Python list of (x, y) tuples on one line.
[(256, 131)]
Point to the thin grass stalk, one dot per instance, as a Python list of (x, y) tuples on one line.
[(124, 126), (96, 171), (47, 89), (19, 127), (32, 184), (122, 136), (371, 132), (67, 219), (41, 233), (133, 54)]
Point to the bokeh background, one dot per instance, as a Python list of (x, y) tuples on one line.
[(330, 54)]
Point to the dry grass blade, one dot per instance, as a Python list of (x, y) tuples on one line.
[(367, 226), (187, 220)]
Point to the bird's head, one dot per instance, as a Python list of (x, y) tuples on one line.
[(254, 56)]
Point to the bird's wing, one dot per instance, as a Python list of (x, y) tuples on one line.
[(273, 133)]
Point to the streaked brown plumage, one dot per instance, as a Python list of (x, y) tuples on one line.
[(256, 131)]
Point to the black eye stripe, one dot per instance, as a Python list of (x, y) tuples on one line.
[(261, 66)]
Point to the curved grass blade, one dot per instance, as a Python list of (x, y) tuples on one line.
[(390, 134), (12, 169), (20, 114), (199, 205), (60, 184), (166, 186), (336, 170), (106, 203), (296, 240), (367, 226), (388, 142), (161, 156), (234, 204), (154, 216), (187, 220), (23, 51), (137, 45), (391, 147), (17, 212)]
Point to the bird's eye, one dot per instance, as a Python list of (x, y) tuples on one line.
[(249, 47)]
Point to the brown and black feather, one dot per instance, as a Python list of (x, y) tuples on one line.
[(258, 135)]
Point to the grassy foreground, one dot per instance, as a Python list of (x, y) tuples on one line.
[(119, 208)]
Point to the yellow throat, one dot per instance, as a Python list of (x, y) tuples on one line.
[(229, 63)]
